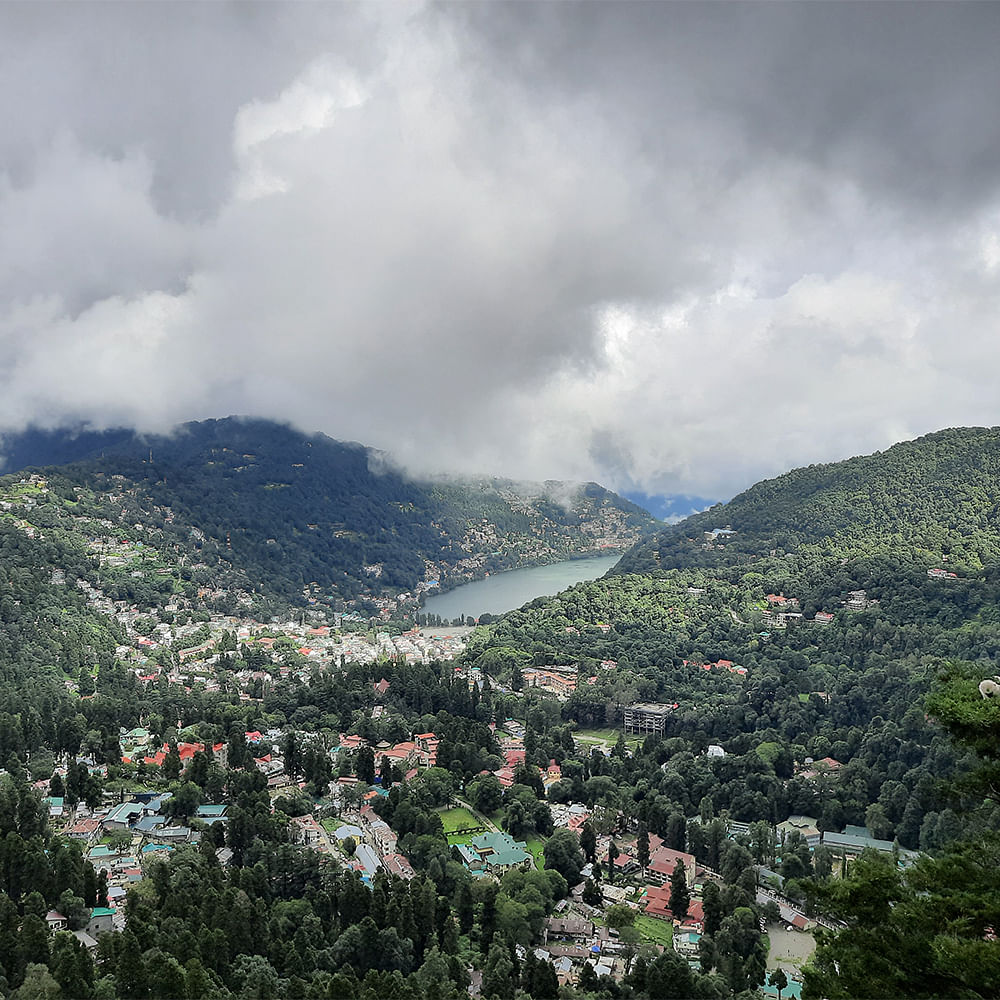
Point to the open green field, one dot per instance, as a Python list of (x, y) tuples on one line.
[(331, 823), (609, 736), (535, 846), (657, 931), (460, 818)]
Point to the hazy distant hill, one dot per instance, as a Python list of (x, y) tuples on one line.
[(669, 507), (292, 509)]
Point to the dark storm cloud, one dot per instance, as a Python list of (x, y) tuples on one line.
[(898, 96), (676, 247)]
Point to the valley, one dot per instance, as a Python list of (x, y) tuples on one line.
[(620, 787)]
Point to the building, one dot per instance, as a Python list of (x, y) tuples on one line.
[(576, 929), (663, 861), (646, 717), (804, 825), (494, 854), (856, 839)]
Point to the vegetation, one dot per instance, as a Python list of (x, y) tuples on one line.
[(306, 513), (873, 719)]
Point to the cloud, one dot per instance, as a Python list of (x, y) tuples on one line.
[(667, 247)]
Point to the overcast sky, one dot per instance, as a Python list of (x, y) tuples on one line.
[(673, 247)]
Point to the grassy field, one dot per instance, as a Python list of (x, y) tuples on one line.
[(535, 846), (596, 735), (330, 824), (608, 736), (657, 931), (459, 818)]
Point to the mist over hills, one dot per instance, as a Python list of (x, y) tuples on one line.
[(305, 513)]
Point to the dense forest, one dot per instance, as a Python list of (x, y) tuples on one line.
[(299, 511), (868, 715)]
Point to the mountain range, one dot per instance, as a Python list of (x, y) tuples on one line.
[(308, 517)]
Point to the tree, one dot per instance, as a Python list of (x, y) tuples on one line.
[(385, 773), (619, 915), (712, 907), (498, 973), (669, 977), (364, 765), (613, 853), (642, 848), (680, 895), (38, 985), (464, 908), (130, 973), (778, 980), (588, 841), (591, 893), (563, 854)]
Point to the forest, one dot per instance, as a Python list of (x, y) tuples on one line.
[(301, 511), (885, 688)]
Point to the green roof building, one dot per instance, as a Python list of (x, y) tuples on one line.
[(494, 854)]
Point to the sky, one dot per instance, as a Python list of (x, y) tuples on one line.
[(675, 248)]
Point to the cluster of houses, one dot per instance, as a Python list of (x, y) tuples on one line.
[(143, 832)]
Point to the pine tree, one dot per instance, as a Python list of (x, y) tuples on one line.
[(642, 847), (680, 895), (588, 841)]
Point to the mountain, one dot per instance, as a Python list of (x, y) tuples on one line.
[(308, 517), (852, 579), (934, 498), (669, 507)]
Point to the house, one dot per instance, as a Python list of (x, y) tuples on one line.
[(88, 942), (55, 921), (348, 830), (686, 943), (780, 601), (56, 806), (657, 904), (576, 929), (101, 920), (367, 860), (84, 829), (306, 831), (663, 861), (123, 816), (397, 864), (941, 574), (494, 854), (384, 837), (212, 813)]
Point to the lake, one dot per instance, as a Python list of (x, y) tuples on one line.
[(503, 592)]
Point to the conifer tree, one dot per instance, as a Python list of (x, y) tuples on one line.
[(680, 895)]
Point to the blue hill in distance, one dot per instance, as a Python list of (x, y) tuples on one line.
[(671, 507)]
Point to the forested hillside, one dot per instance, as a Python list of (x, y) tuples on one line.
[(813, 631), (827, 677), (310, 516), (920, 500)]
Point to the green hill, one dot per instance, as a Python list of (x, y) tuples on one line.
[(934, 497), (305, 516)]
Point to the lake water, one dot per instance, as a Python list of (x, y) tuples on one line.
[(503, 592)]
